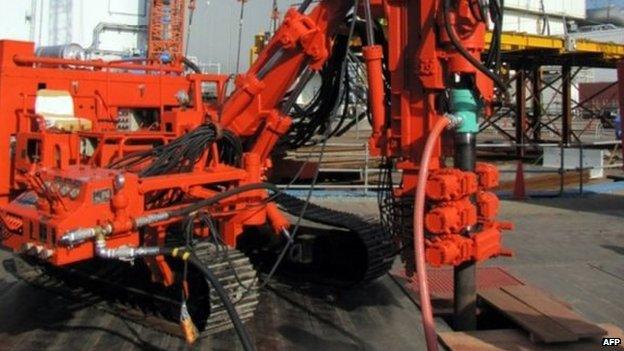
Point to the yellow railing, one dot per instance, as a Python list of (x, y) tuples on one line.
[(513, 41)]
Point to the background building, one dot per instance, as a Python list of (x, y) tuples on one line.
[(548, 17), (119, 26)]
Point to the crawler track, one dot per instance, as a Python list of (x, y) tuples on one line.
[(353, 251), (118, 288)]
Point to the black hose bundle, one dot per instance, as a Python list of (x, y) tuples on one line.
[(343, 82), (179, 156), (355, 92), (464, 52), (230, 149), (493, 60), (311, 120), (314, 118)]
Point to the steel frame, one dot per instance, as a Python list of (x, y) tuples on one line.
[(533, 115), (527, 55)]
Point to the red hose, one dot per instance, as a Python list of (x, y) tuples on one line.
[(419, 235)]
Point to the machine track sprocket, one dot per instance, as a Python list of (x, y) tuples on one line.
[(118, 288)]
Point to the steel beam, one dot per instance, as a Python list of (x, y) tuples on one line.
[(537, 104), (521, 110), (566, 104)]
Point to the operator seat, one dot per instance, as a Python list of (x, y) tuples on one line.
[(56, 109)]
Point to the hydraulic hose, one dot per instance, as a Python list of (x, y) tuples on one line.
[(241, 331), (80, 235), (419, 234), (462, 50), (213, 281)]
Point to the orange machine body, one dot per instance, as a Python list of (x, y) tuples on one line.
[(251, 110), (419, 62), (102, 93)]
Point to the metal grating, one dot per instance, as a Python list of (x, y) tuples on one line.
[(441, 280)]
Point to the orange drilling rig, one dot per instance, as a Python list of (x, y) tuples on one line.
[(189, 207)]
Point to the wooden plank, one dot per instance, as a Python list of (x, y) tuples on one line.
[(515, 340), (487, 340), (555, 310), (536, 323)]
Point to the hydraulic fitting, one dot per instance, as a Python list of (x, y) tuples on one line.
[(37, 250), (81, 235), (124, 253), (465, 106), (45, 254), (150, 219)]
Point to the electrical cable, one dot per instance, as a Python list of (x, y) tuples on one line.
[(230, 149), (304, 6), (215, 199), (370, 37), (271, 198), (284, 250)]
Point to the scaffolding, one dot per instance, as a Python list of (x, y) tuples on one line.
[(538, 64)]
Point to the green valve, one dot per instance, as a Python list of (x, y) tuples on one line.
[(465, 105)]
